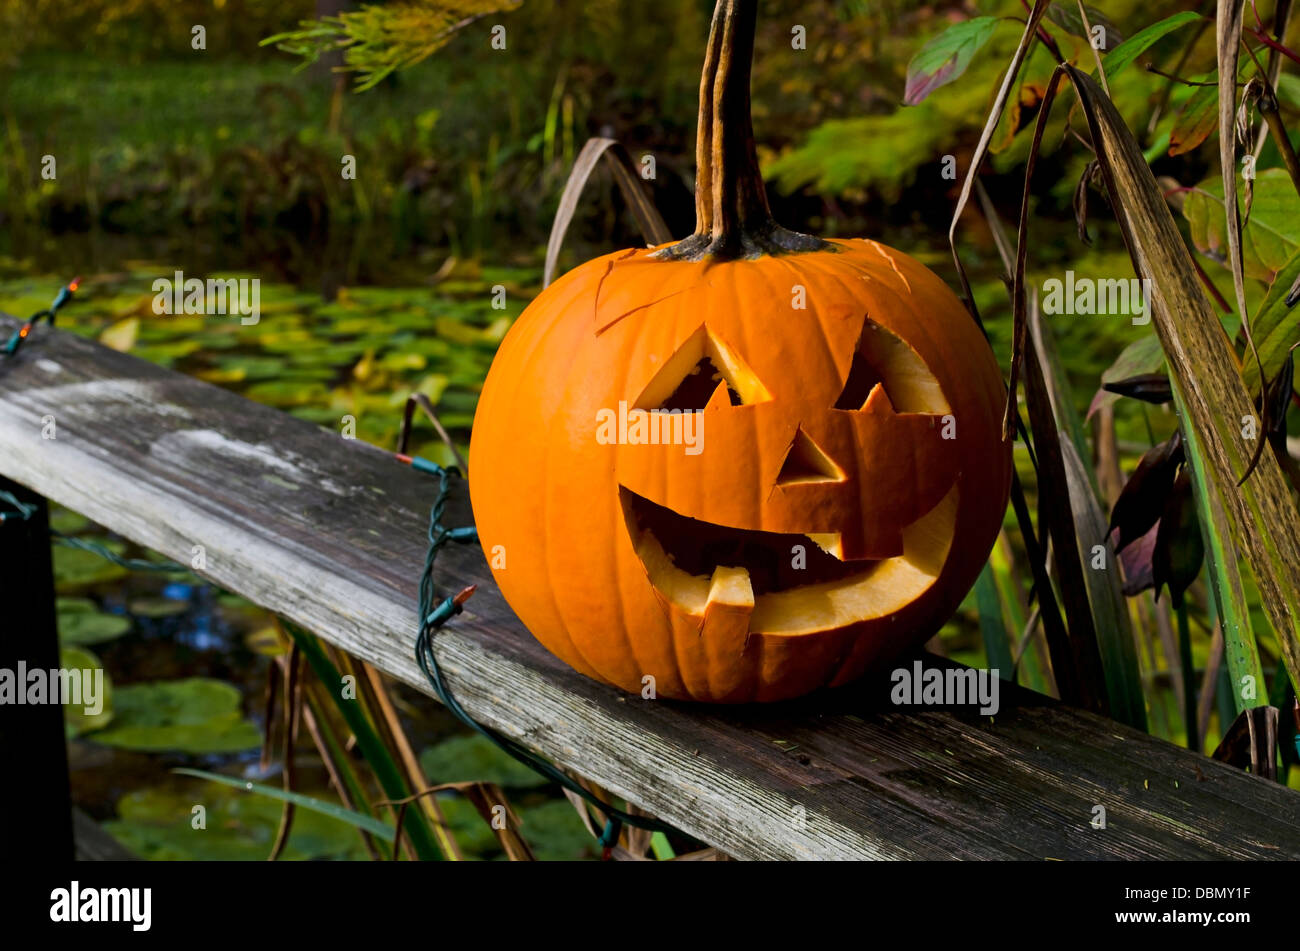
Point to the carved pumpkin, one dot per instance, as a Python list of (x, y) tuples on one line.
[(746, 465)]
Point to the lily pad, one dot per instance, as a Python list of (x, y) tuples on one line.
[(67, 521), (475, 757), (284, 394), (74, 568), (157, 607), (196, 715), (158, 824), (556, 833), (77, 719), (81, 622)]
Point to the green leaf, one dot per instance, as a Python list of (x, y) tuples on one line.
[(1065, 14), (946, 57), (1276, 327), (1271, 236), (1143, 355), (1209, 392), (1099, 624), (1137, 44)]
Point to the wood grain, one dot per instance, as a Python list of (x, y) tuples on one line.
[(330, 533)]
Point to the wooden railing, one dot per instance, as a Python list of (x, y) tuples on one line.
[(330, 533)]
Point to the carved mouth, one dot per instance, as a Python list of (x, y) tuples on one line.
[(773, 561), (695, 564)]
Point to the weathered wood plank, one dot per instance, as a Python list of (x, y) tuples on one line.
[(330, 533), (96, 845)]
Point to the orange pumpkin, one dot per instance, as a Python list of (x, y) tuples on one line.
[(746, 465)]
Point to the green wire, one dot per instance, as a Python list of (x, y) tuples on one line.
[(434, 617)]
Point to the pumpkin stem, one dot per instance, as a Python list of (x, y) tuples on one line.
[(732, 216)]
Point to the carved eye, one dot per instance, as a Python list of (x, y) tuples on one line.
[(883, 359), (691, 376)]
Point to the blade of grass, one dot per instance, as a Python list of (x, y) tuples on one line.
[(1205, 372), (385, 769), (410, 762), (662, 849), (370, 824), (1222, 561), (1106, 601), (993, 629), (1189, 677), (1209, 680), (1057, 638), (342, 777), (986, 136), (1058, 497), (629, 182), (1227, 31), (292, 707), (1032, 660), (349, 666)]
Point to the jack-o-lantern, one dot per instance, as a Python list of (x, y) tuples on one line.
[(745, 465)]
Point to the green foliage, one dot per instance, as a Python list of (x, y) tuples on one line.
[(196, 715), (378, 40), (141, 28), (1271, 235), (844, 156)]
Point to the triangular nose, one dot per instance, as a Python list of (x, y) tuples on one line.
[(806, 462)]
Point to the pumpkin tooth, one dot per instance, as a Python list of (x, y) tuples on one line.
[(830, 542), (732, 588), (878, 401)]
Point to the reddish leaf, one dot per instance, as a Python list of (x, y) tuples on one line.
[(946, 57), (1180, 550), (1143, 497), (1197, 120), (1136, 561)]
